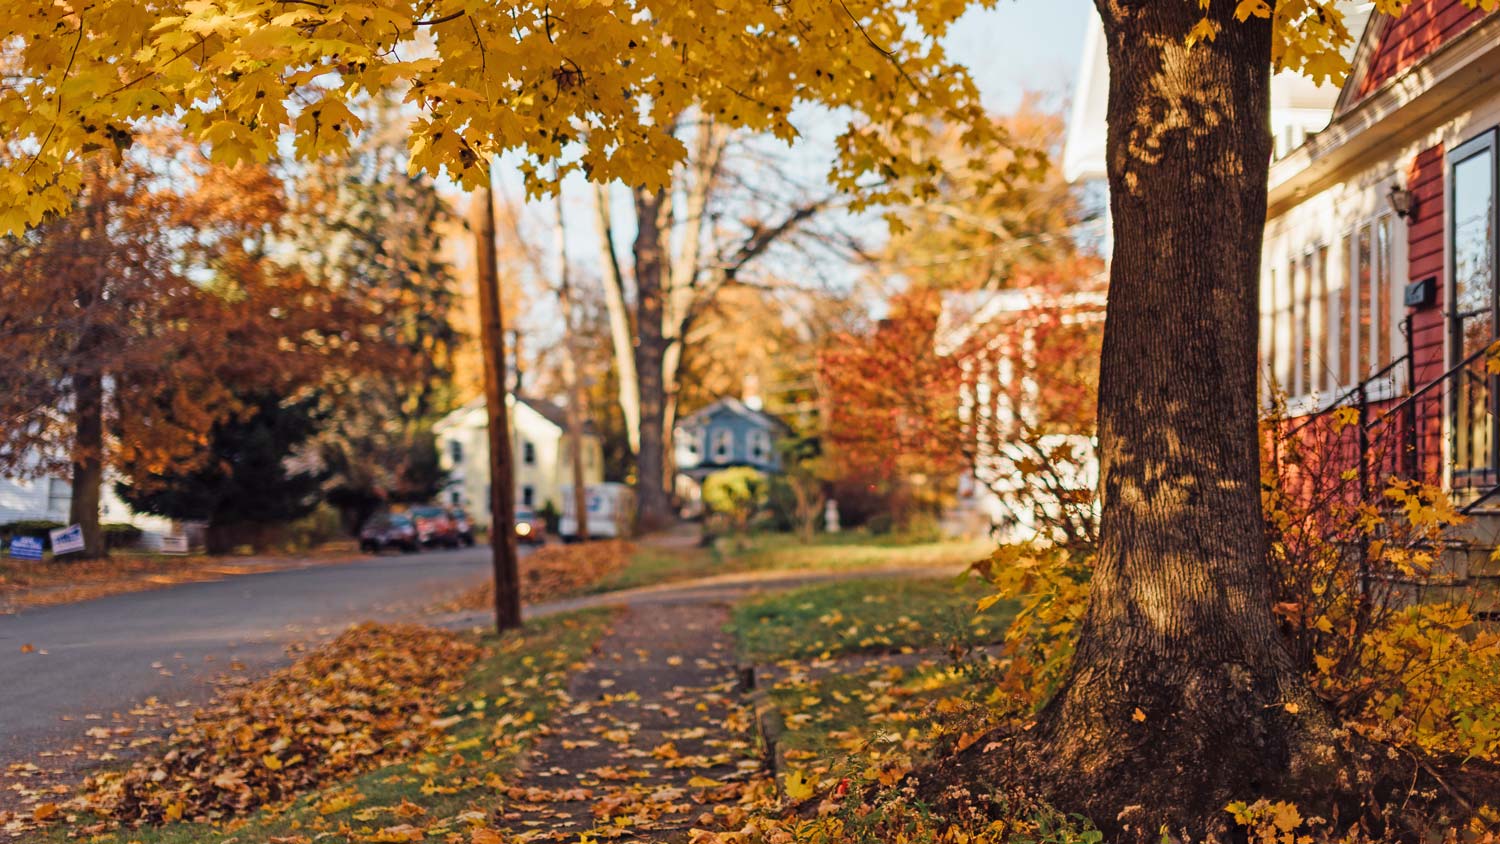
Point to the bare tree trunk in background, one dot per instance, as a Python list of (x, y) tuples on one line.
[(655, 508), (88, 459), (619, 322), (571, 376), (87, 379), (502, 481)]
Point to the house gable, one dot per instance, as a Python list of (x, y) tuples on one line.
[(1394, 45)]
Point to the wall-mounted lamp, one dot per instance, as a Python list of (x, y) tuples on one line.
[(1401, 201)]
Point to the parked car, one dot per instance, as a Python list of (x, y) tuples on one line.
[(463, 524), (435, 526), (388, 530), (530, 527), (611, 508)]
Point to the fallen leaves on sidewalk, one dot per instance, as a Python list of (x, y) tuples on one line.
[(373, 694), (554, 571)]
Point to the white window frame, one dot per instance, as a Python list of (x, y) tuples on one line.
[(723, 445), (1302, 275), (760, 446)]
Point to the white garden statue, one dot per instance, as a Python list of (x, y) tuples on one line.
[(831, 516)]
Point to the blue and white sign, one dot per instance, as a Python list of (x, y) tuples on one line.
[(26, 548), (67, 540)]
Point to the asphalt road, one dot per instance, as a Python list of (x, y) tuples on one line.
[(101, 657)]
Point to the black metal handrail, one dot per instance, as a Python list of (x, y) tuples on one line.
[(1411, 397), (1361, 390)]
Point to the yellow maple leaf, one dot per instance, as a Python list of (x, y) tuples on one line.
[(798, 786)]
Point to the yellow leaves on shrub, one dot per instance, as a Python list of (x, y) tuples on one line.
[(369, 696), (1266, 822), (1052, 587), (1432, 685)]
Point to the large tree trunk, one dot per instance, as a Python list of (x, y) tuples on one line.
[(88, 460), (1181, 696), (655, 507)]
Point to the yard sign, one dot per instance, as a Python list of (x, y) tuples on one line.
[(67, 540), (26, 548)]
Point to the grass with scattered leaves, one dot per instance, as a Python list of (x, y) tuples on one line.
[(864, 616), (519, 681), (766, 552), (869, 677)]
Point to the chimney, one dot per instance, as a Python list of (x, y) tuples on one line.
[(750, 392)]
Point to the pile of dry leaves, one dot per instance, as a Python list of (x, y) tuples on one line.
[(555, 571), (372, 694)]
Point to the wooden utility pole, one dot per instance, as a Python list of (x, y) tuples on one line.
[(502, 479), (571, 376)]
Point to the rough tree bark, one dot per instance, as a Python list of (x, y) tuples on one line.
[(654, 507), (1181, 696)]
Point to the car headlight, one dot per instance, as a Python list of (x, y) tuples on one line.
[(523, 529)]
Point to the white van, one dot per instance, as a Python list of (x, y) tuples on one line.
[(611, 512)]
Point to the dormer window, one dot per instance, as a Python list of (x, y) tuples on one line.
[(723, 445)]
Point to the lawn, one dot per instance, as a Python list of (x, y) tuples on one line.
[(874, 716), (765, 552), (513, 690), (867, 616)]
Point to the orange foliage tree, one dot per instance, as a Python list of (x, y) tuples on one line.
[(138, 320), (892, 420)]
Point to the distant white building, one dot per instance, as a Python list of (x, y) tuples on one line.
[(993, 336), (543, 460), (49, 499)]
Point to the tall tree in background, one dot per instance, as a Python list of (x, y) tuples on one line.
[(251, 485), (573, 377), (971, 236), (893, 406), (692, 238), (127, 320), (368, 226)]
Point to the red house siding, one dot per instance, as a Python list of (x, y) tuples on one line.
[(1424, 244), (1421, 29), (1409, 441)]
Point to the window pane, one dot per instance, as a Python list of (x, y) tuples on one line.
[(1327, 338), (1307, 329), (1364, 282), (1473, 213), (1386, 303), (1348, 370), (1268, 330), (1294, 335), (1473, 263)]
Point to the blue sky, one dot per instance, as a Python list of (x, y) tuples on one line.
[(1022, 45)]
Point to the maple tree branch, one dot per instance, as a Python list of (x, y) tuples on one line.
[(67, 71), (444, 19), (890, 56)]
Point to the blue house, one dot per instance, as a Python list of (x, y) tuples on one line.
[(727, 433)]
